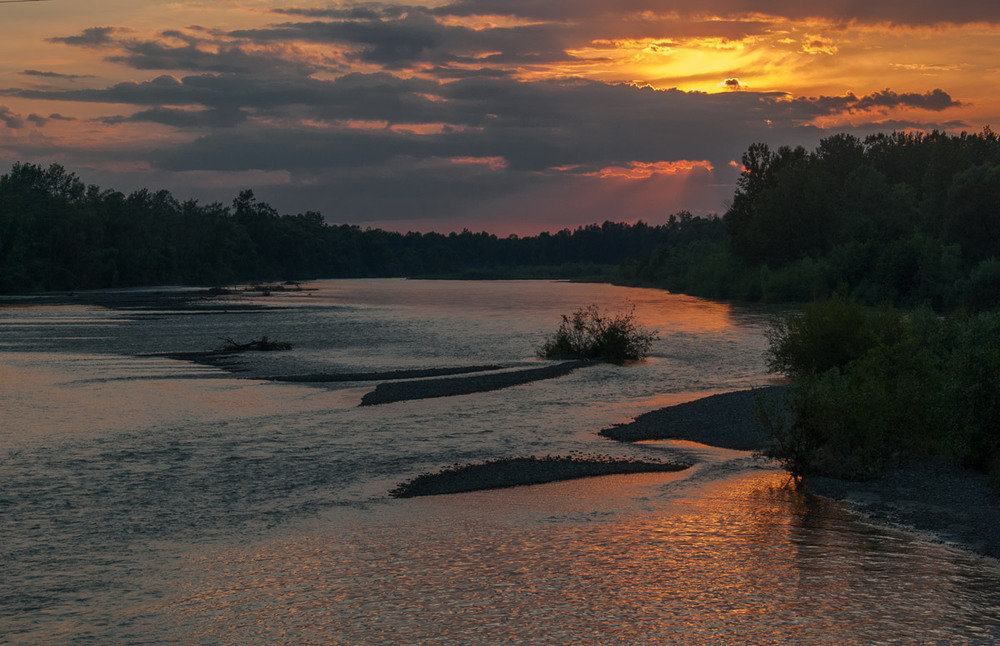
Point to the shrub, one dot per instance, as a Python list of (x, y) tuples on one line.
[(983, 288), (791, 444), (828, 334), (589, 333), (872, 387), (800, 281)]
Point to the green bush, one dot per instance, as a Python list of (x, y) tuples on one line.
[(589, 333), (873, 386), (828, 334), (982, 290), (800, 281)]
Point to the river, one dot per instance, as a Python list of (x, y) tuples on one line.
[(145, 499)]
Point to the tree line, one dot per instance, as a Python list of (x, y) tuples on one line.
[(901, 218), (58, 233)]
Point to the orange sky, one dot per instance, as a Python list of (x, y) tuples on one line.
[(498, 113)]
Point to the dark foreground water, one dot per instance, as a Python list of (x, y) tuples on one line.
[(148, 500)]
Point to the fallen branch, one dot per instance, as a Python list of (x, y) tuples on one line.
[(263, 344)]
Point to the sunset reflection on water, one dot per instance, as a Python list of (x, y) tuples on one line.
[(145, 499), (624, 560)]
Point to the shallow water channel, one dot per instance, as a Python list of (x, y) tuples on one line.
[(152, 500)]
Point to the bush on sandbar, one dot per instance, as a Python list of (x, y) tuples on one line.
[(589, 333)]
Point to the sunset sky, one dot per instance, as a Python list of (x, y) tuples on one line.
[(504, 115)]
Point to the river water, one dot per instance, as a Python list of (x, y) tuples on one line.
[(151, 500)]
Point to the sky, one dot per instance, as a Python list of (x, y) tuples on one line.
[(511, 116)]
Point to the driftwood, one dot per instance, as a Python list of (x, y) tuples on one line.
[(263, 344)]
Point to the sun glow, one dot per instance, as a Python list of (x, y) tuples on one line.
[(643, 170)]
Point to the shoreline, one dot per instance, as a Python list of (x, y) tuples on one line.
[(930, 496), (724, 421), (521, 471), (955, 504), (396, 391), (927, 496)]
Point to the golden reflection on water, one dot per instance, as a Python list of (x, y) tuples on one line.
[(158, 498), (683, 313), (622, 560), (654, 308), (55, 396)]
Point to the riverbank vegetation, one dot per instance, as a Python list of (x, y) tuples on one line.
[(872, 386), (513, 472), (901, 218), (590, 333), (57, 233)]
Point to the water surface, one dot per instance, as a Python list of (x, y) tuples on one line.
[(151, 500)]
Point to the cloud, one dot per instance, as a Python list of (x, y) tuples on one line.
[(452, 73), (10, 119), (193, 56), (645, 170), (40, 120), (397, 41), (55, 75), (377, 96), (92, 37), (410, 37), (365, 11), (805, 108), (819, 45), (493, 104), (377, 111), (213, 118), (935, 100), (911, 12), (534, 126), (178, 50)]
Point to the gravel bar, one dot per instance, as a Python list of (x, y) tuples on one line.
[(513, 472), (450, 386), (726, 421), (386, 375)]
